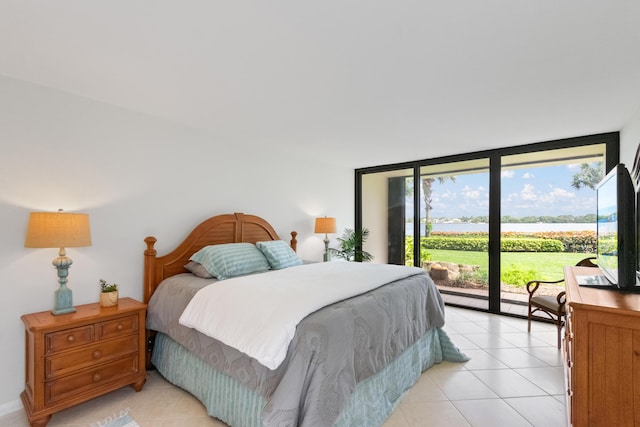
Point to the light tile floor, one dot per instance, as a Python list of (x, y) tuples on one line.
[(513, 379)]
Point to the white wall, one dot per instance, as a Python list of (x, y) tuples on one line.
[(135, 176)]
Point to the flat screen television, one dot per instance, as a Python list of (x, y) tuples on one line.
[(616, 229)]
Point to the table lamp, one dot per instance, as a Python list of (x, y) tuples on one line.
[(325, 225), (59, 230)]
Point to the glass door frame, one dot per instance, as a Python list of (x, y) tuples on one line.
[(612, 155)]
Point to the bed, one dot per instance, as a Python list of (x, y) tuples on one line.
[(345, 364)]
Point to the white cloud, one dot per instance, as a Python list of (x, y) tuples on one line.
[(557, 200), (528, 175), (449, 195), (562, 194), (528, 193), (472, 194), (507, 174)]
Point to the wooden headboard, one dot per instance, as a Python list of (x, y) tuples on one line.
[(227, 228)]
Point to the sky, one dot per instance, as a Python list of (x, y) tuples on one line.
[(531, 191)]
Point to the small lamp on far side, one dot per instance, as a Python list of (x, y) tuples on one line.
[(325, 225), (59, 230)]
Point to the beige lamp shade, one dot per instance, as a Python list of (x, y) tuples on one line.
[(57, 230), (325, 225)]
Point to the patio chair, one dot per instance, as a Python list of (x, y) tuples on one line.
[(552, 306)]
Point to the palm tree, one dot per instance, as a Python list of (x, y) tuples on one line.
[(426, 194)]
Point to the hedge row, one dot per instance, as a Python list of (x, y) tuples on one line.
[(572, 241), (482, 244)]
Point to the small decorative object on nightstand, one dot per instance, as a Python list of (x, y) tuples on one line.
[(75, 357), (108, 294)]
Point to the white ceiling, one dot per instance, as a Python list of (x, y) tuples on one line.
[(357, 82)]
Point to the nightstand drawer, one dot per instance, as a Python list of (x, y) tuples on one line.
[(100, 352), (69, 338), (89, 379), (117, 327)]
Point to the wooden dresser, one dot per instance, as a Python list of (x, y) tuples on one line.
[(602, 354), (71, 358)]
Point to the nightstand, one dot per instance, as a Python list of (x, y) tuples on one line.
[(74, 357)]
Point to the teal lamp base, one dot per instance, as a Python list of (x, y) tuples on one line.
[(64, 301), (63, 295), (327, 255)]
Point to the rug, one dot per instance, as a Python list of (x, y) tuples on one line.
[(123, 419)]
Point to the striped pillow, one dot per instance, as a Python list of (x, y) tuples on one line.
[(279, 254), (231, 259)]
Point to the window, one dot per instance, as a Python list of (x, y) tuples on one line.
[(472, 197)]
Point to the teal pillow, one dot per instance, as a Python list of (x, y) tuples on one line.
[(279, 254), (231, 259)]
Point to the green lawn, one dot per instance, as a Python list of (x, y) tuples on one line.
[(547, 265)]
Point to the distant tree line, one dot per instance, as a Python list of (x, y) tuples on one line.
[(560, 219)]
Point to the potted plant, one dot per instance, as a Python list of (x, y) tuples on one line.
[(108, 294), (351, 244)]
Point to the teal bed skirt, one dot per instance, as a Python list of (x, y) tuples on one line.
[(369, 406)]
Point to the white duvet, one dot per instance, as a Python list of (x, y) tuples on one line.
[(258, 314)]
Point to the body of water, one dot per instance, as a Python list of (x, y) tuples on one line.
[(517, 227)]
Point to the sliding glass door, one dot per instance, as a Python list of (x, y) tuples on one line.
[(483, 224), (548, 218), (454, 229)]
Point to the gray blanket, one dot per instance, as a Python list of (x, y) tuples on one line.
[(333, 350)]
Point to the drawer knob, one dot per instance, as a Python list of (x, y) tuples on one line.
[(70, 338), (120, 327), (96, 377), (97, 354)]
